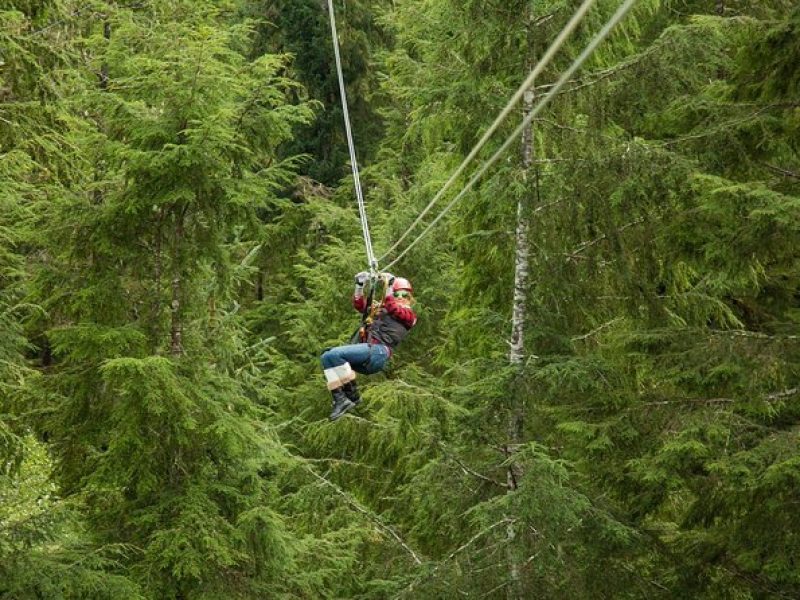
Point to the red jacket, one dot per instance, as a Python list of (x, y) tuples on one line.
[(391, 324), (404, 314)]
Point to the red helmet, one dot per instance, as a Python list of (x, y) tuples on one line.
[(401, 283)]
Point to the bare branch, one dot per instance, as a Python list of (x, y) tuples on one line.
[(545, 18), (769, 398), (691, 401), (724, 126), (543, 207), (784, 172), (356, 505), (574, 254), (495, 589), (783, 394), (452, 555), (596, 330), (755, 334), (466, 468)]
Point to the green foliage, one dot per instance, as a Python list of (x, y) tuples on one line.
[(168, 281), (44, 552), (301, 28)]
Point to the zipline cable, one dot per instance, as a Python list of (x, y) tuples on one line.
[(362, 211), (537, 70), (598, 39)]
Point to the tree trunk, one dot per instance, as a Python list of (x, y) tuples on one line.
[(97, 195), (260, 285), (104, 66), (158, 290), (176, 329), (516, 415), (522, 250)]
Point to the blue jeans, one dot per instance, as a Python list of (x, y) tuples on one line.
[(364, 358)]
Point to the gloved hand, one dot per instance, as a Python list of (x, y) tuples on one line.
[(361, 279)]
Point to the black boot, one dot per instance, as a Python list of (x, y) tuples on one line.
[(341, 403), (351, 391)]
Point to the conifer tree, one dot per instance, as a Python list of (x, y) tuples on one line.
[(165, 419), (301, 28), (151, 429), (43, 540), (610, 276)]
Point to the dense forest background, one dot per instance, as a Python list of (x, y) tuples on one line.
[(178, 235)]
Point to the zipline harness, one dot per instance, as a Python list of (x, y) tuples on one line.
[(529, 80), (371, 310)]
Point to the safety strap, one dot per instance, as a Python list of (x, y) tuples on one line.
[(371, 309)]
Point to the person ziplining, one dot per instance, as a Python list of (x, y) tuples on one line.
[(390, 320), (386, 323)]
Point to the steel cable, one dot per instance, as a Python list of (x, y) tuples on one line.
[(526, 85), (565, 77), (362, 210)]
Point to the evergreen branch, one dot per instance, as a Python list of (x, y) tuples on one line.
[(193, 87), (364, 511), (421, 390), (452, 555), (693, 401), (726, 125), (353, 417), (252, 102), (593, 78), (755, 425), (121, 548), (633, 571), (577, 131), (74, 13), (754, 579), (596, 77), (77, 13)]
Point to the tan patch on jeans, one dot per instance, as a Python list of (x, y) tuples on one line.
[(332, 377), (345, 373)]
